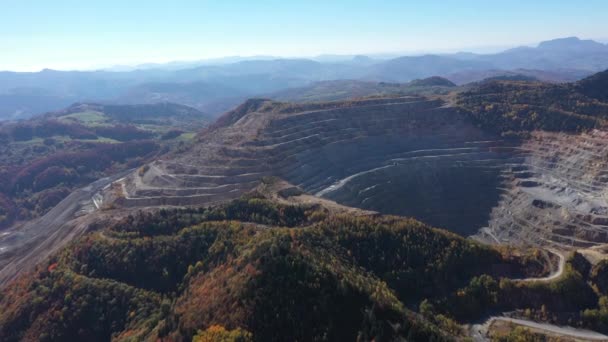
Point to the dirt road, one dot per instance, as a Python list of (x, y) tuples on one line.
[(24, 246), (480, 331)]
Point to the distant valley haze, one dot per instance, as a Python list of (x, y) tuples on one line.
[(213, 55), (216, 85)]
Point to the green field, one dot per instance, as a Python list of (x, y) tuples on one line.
[(88, 118), (186, 136), (63, 139)]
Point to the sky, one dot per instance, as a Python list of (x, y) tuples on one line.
[(70, 34)]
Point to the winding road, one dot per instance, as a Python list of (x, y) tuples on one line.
[(562, 331), (479, 331), (23, 247), (558, 273)]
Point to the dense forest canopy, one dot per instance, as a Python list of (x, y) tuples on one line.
[(260, 270), (523, 106), (43, 159)]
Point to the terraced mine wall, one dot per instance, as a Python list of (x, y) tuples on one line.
[(422, 161), (405, 156), (560, 194)]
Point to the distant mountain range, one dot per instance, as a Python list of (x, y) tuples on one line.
[(217, 85)]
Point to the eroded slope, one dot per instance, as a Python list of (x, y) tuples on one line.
[(414, 156), (410, 156)]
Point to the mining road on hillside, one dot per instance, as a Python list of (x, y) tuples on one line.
[(22, 247)]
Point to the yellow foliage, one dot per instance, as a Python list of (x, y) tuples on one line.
[(217, 333)]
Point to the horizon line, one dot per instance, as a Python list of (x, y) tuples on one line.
[(216, 60)]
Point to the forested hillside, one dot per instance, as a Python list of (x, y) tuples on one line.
[(252, 269), (518, 106), (42, 160)]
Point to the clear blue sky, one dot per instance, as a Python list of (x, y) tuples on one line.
[(70, 34)]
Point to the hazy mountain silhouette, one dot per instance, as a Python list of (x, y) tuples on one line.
[(217, 85)]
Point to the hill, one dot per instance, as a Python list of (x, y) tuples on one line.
[(404, 69), (549, 76), (434, 81), (153, 116), (525, 106), (205, 96), (285, 207), (260, 268), (563, 53), (414, 156), (595, 86), (42, 160), (351, 89)]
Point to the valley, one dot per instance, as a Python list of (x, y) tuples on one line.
[(43, 159), (217, 86), (520, 182), (271, 171)]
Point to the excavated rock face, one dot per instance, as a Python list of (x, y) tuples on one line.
[(414, 159), (408, 156), (558, 193)]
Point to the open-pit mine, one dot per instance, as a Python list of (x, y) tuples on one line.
[(409, 156)]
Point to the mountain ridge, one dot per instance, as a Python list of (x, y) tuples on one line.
[(216, 88), (286, 207)]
